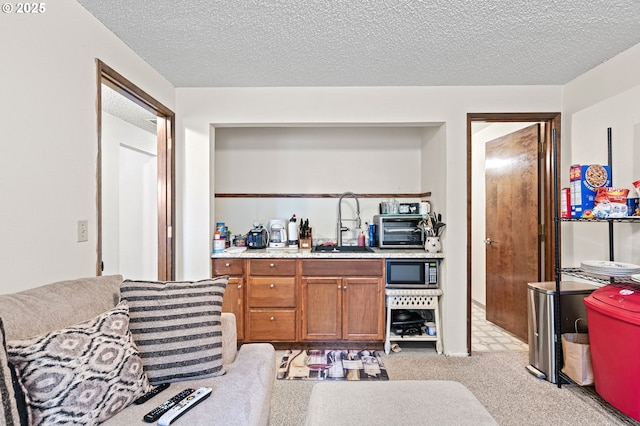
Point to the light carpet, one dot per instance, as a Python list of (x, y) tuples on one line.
[(498, 379)]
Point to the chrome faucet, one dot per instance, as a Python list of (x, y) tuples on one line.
[(340, 228)]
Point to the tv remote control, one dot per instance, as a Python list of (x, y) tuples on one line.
[(153, 392), (157, 412), (184, 406)]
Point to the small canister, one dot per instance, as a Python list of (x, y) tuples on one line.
[(430, 328), (633, 206), (424, 208), (372, 235), (218, 245)]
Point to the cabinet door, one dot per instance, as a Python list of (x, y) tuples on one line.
[(233, 302), (363, 309), (321, 308)]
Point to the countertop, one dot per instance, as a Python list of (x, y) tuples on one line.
[(306, 254)]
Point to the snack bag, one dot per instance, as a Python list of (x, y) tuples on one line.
[(610, 203)]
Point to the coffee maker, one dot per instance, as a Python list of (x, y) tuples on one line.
[(277, 233)]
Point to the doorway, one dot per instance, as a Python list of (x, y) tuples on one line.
[(549, 124), (135, 181)]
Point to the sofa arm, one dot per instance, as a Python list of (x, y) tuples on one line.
[(229, 338)]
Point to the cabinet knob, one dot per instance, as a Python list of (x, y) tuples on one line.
[(272, 319), (344, 288), (339, 287), (272, 286), (227, 265), (272, 265), (239, 286)]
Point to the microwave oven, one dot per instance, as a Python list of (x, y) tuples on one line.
[(412, 273), (398, 231)]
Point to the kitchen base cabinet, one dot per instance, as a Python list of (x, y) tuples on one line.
[(271, 300), (305, 301), (341, 305), (321, 308), (362, 317), (233, 300)]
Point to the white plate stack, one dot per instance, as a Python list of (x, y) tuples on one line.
[(613, 269)]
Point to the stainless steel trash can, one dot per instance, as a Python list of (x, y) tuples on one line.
[(541, 314)]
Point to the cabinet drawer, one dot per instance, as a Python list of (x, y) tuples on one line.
[(270, 325), (272, 267), (342, 268), (227, 267), (279, 292)]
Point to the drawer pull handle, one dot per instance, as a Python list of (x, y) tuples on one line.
[(227, 265), (272, 286), (272, 319), (271, 265)]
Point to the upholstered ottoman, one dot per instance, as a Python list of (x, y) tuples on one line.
[(395, 402)]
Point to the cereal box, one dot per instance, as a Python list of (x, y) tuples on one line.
[(565, 203), (584, 182)]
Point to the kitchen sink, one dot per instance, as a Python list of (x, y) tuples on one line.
[(341, 249)]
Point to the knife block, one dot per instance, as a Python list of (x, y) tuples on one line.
[(307, 242)]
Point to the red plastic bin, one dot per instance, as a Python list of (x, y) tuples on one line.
[(613, 314)]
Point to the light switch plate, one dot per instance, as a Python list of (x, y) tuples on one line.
[(83, 231)]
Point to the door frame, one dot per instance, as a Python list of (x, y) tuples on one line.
[(166, 166), (552, 120)]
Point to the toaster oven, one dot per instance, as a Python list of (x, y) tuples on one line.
[(398, 231)]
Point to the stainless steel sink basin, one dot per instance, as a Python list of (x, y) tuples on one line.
[(341, 249)]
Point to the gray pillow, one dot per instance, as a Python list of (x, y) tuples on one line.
[(177, 328), (82, 374)]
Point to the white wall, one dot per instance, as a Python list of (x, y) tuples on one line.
[(203, 108), (138, 215), (312, 160), (606, 96), (49, 139), (129, 200)]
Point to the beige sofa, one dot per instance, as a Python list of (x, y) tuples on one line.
[(240, 397)]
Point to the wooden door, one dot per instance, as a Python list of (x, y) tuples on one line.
[(233, 302), (512, 218), (322, 308), (363, 309)]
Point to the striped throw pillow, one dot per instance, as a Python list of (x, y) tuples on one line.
[(177, 328)]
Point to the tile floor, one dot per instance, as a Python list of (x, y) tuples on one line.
[(486, 336)]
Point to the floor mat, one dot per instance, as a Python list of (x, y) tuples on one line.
[(339, 364)]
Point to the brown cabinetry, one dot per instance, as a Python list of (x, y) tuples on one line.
[(343, 300), (290, 300), (233, 300), (271, 300)]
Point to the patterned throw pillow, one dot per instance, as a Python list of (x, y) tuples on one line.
[(176, 326), (83, 374), (9, 415)]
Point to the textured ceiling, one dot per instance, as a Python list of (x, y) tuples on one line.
[(273, 43), (127, 110)]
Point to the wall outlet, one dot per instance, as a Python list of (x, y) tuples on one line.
[(83, 231)]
